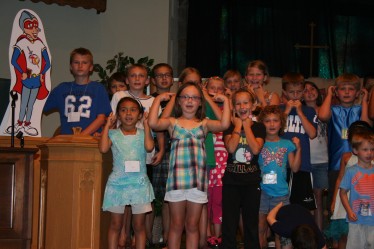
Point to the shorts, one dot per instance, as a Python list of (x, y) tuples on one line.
[(215, 205), (320, 178), (192, 195), (135, 208), (336, 229), (360, 236), (285, 241), (301, 191), (268, 202)]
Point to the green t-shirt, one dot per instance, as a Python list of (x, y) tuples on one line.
[(209, 144)]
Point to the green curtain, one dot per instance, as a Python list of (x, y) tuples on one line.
[(228, 34)]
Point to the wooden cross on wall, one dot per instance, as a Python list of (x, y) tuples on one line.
[(311, 47)]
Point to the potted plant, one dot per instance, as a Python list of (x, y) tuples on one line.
[(119, 63)]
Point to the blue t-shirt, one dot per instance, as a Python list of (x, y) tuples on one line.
[(273, 164), (360, 182), (294, 128), (341, 119), (85, 101)]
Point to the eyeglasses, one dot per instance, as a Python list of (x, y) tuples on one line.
[(165, 75), (193, 98)]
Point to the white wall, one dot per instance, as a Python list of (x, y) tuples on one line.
[(136, 27)]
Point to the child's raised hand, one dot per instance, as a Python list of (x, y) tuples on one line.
[(289, 106), (296, 142), (237, 122), (145, 119), (247, 122), (259, 91), (218, 97), (331, 91), (111, 120), (228, 92), (297, 104), (205, 93), (165, 96), (251, 88), (364, 94)]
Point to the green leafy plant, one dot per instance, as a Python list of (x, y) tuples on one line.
[(119, 63)]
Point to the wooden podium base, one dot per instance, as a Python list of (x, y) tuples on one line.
[(73, 178)]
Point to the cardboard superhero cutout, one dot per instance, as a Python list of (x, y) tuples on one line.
[(30, 67)]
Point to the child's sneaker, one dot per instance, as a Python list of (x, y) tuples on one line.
[(219, 241), (149, 244), (212, 242)]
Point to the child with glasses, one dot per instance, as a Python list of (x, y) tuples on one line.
[(162, 78), (186, 188), (212, 111)]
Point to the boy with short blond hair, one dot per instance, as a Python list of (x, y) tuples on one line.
[(347, 89), (137, 80), (301, 123), (359, 181)]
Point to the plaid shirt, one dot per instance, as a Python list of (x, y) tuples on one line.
[(187, 168)]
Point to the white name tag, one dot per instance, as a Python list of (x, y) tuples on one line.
[(344, 133), (74, 117), (132, 166), (270, 178)]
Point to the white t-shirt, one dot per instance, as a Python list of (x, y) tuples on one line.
[(318, 145)]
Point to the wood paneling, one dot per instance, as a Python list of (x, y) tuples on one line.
[(16, 197)]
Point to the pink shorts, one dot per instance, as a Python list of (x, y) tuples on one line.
[(215, 205)]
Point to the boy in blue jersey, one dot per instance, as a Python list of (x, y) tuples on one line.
[(301, 123), (82, 103), (347, 89)]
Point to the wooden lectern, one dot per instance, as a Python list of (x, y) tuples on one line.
[(73, 178), (16, 197)]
